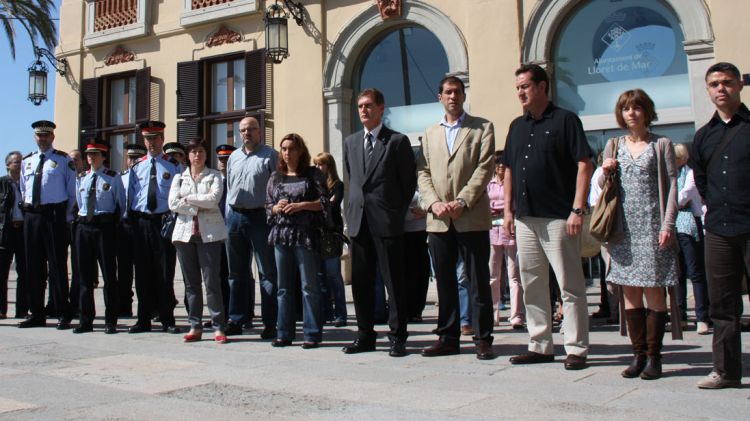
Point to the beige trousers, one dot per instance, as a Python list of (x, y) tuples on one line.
[(543, 242)]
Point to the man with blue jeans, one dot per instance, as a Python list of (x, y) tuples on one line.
[(248, 171)]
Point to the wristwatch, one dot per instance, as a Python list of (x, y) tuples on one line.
[(461, 202), (577, 211)]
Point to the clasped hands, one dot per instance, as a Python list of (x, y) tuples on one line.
[(452, 209), (284, 206)]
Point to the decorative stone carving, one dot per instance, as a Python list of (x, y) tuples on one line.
[(120, 55), (390, 8), (223, 36)]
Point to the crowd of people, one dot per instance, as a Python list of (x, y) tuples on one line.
[(483, 223)]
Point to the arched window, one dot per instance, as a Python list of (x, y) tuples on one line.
[(405, 64), (606, 48)]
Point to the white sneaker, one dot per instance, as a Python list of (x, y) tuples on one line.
[(715, 381), (702, 328)]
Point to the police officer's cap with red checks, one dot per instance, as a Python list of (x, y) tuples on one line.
[(223, 151), (151, 128), (96, 145)]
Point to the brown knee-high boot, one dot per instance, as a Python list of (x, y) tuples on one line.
[(636, 320), (655, 322)]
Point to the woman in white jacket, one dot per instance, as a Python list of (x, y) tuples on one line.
[(199, 235)]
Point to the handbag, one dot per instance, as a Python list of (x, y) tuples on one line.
[(605, 222), (168, 222), (331, 243)]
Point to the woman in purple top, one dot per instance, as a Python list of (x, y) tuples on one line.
[(503, 253), (296, 199)]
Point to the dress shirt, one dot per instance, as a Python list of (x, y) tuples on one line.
[(725, 188), (688, 194), (110, 193), (166, 169), (375, 132), (595, 191), (543, 156), (451, 130), (125, 177), (58, 177), (248, 175)]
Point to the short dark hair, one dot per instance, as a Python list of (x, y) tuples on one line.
[(498, 157), (304, 158), (196, 143), (638, 98), (724, 67), (10, 154), (452, 80), (373, 93), (538, 74)]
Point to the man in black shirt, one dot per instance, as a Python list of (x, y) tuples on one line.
[(548, 169), (721, 166)]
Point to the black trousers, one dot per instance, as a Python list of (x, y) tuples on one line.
[(417, 272), (474, 247), (387, 254), (151, 273), (75, 279), (727, 260), (47, 235), (96, 243), (125, 247), (13, 247)]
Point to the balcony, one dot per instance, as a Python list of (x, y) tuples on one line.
[(195, 12), (109, 21)]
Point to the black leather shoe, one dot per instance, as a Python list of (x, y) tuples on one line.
[(280, 343), (269, 332), (139, 328), (575, 362), (83, 329), (484, 350), (440, 349), (32, 322), (532, 358), (310, 345), (110, 329), (233, 329), (171, 329), (63, 324), (398, 349), (359, 346), (208, 324)]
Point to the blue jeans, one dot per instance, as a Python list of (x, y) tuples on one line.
[(248, 236), (692, 265), (290, 260), (333, 285), (463, 293)]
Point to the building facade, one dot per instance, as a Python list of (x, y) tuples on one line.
[(200, 65)]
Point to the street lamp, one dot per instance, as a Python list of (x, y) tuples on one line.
[(38, 74), (277, 35)]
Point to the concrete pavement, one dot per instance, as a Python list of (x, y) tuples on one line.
[(50, 374)]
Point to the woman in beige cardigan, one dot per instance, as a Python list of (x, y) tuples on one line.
[(644, 260), (199, 235)]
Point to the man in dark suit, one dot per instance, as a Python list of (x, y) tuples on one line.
[(382, 179)]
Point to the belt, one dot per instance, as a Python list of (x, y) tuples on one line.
[(148, 216), (246, 211), (105, 218), (44, 208)]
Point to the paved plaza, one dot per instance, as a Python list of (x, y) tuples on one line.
[(50, 374)]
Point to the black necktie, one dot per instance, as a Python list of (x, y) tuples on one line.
[(151, 199), (91, 200), (368, 147), (36, 189)]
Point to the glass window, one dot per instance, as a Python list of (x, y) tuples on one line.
[(225, 132), (406, 64), (678, 133), (228, 86), (122, 101), (117, 159), (608, 47)]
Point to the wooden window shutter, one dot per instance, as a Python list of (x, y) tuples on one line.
[(189, 130), (142, 95), (189, 89), (255, 80), (89, 109)]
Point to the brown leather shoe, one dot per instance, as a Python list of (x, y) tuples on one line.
[(484, 350), (575, 362), (467, 330), (532, 357), (439, 349)]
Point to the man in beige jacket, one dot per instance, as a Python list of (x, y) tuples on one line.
[(453, 172)]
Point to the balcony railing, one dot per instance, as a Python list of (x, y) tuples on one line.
[(115, 13), (200, 4)]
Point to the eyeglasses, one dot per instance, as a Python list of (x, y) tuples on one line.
[(248, 129)]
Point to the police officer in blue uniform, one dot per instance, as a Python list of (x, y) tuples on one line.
[(101, 202), (125, 240), (178, 153), (48, 183), (148, 192)]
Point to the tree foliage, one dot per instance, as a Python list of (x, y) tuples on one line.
[(34, 16)]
